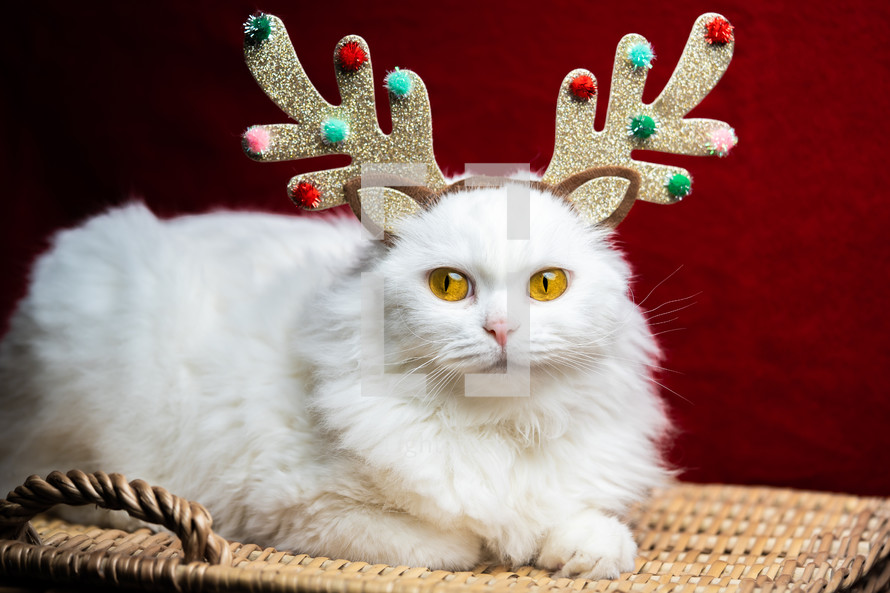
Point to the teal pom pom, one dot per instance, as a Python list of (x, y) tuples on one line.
[(334, 130), (641, 55), (258, 28), (642, 126), (679, 185), (398, 82)]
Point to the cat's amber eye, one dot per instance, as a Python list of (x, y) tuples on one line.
[(449, 284), (546, 285)]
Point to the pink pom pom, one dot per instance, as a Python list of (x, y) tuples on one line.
[(721, 141), (257, 139)]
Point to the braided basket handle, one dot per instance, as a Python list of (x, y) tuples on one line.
[(190, 521)]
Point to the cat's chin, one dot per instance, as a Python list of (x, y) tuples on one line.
[(494, 362), (498, 367)]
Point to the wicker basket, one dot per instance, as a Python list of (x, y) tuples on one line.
[(691, 537)]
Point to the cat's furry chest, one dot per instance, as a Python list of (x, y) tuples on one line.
[(491, 483), (442, 466)]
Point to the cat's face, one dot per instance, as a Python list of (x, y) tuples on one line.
[(461, 293)]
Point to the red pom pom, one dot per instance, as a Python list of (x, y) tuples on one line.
[(583, 87), (306, 195), (351, 56), (719, 31)]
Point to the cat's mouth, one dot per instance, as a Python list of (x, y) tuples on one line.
[(497, 367), (496, 363), (489, 363)]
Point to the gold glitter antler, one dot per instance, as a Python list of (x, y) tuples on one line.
[(349, 128), (632, 125)]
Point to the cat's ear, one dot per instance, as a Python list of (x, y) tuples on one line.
[(383, 203), (601, 195)]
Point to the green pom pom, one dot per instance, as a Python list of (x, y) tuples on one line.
[(641, 55), (398, 82), (642, 126), (334, 130), (679, 185), (258, 28)]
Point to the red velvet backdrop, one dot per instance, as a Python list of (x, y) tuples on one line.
[(778, 259)]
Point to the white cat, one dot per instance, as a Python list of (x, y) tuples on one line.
[(221, 356)]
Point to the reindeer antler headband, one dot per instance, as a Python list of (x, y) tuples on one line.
[(592, 169)]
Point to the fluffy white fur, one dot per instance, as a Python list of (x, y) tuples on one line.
[(220, 357)]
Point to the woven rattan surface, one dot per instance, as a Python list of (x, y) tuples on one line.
[(692, 538)]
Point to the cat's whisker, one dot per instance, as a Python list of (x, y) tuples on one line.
[(418, 368), (440, 379), (668, 277), (645, 376), (425, 357), (587, 361), (408, 348), (403, 378), (603, 338), (651, 379), (404, 361), (546, 366), (675, 310), (599, 358), (664, 321), (667, 331), (440, 384), (663, 386), (580, 363), (651, 365)]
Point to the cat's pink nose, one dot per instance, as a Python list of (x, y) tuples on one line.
[(499, 329)]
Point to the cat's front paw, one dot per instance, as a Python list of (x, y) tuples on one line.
[(593, 546)]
